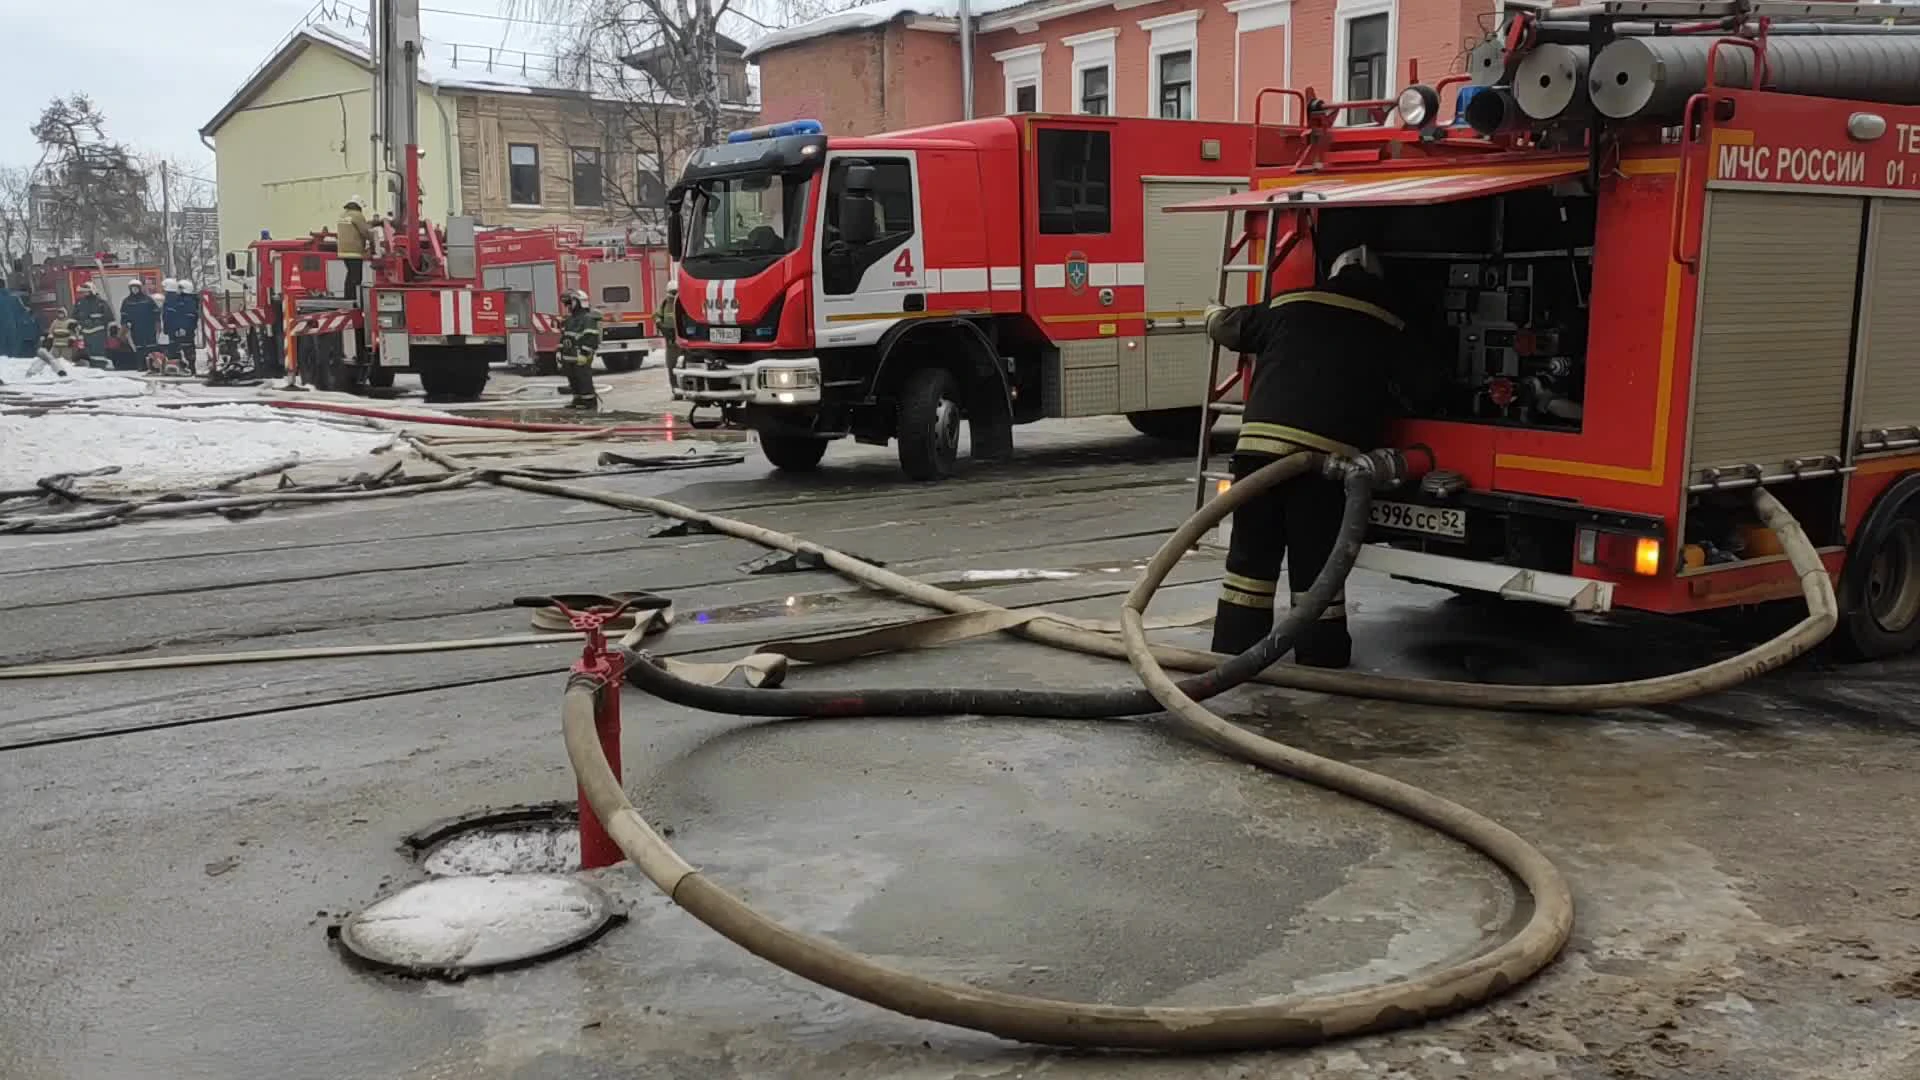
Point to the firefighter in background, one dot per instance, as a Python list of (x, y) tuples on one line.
[(180, 317), (355, 243), (140, 317), (666, 324), (63, 335), (94, 315), (579, 340), (1323, 380)]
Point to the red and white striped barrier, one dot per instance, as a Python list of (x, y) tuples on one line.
[(326, 322)]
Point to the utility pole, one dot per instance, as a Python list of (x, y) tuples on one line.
[(966, 61), (166, 215)]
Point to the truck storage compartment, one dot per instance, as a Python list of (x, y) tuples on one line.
[(1495, 292)]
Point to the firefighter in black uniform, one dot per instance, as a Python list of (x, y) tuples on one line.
[(579, 340), (1322, 380)]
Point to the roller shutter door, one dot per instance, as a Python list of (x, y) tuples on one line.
[(1890, 321), (1183, 270), (1776, 329)]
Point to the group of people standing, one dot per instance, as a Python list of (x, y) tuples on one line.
[(88, 334)]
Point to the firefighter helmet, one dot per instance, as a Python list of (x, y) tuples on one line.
[(1360, 257), (353, 204), (169, 285), (86, 288), (186, 285)]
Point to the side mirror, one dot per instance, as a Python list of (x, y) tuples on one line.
[(673, 230), (232, 263), (860, 179)]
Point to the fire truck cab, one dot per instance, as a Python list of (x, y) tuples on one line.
[(994, 271)]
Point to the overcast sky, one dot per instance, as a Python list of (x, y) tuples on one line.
[(159, 69)]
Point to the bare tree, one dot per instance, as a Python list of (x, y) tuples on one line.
[(98, 191), (16, 191)]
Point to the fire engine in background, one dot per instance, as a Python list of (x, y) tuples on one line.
[(1642, 290), (626, 289), (423, 308), (998, 271), (57, 281), (622, 280)]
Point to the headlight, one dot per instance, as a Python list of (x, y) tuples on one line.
[(789, 379), (392, 301), (1418, 104)]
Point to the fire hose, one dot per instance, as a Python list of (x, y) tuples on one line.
[(1294, 1021)]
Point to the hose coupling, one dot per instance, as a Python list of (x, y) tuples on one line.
[(1387, 467)]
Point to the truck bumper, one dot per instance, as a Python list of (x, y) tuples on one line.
[(623, 345), (789, 381)]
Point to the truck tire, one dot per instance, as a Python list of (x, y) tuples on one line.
[(1880, 590), (793, 453), (929, 424), (1170, 425), (452, 374), (621, 363), (546, 363), (380, 378)]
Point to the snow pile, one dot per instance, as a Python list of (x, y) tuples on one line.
[(80, 383), (170, 449)]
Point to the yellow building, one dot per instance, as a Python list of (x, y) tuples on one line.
[(296, 142), (504, 139)]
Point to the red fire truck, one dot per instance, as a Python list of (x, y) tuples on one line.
[(626, 290), (1639, 291), (57, 281), (997, 271), (622, 280)]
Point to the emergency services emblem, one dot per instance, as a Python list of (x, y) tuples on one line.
[(1076, 271)]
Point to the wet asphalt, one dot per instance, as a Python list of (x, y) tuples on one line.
[(177, 843)]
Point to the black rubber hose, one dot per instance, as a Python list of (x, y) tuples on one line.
[(644, 673)]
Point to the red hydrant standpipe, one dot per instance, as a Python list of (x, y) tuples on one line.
[(599, 671)]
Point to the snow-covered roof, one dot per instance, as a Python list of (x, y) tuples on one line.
[(867, 16), (456, 66)]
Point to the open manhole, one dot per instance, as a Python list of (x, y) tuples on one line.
[(543, 838), (452, 927)]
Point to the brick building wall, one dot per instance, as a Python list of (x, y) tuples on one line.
[(906, 73)]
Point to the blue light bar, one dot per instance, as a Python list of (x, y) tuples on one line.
[(774, 131)]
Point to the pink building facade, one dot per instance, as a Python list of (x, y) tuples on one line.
[(896, 65)]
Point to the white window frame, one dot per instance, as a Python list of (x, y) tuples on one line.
[(1251, 15), (1094, 49), (1345, 12), (1022, 67), (539, 176), (1178, 32)]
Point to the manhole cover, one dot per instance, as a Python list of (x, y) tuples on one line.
[(525, 848), (452, 927)]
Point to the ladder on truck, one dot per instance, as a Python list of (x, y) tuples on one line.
[(1246, 249)]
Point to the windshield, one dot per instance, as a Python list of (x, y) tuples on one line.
[(747, 216)]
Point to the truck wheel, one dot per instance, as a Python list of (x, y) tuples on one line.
[(546, 363), (793, 453), (929, 431), (451, 378), (379, 377), (1880, 602), (621, 363), (1171, 425)]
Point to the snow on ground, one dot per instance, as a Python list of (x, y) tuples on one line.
[(164, 449), (82, 382)]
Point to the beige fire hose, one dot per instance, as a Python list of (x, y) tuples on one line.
[(1292, 1021)]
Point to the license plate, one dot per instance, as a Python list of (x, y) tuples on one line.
[(726, 335), (1431, 520)]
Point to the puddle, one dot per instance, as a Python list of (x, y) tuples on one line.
[(786, 607), (671, 428)]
